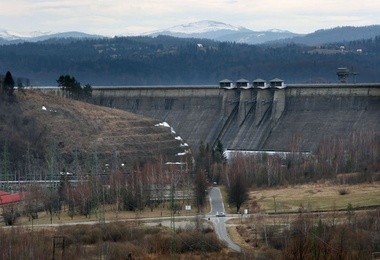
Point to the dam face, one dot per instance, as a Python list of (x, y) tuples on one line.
[(253, 118)]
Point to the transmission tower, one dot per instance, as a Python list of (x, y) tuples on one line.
[(343, 73)]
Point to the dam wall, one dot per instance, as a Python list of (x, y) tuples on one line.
[(253, 118)]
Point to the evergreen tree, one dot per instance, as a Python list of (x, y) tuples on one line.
[(69, 84), (219, 156), (8, 84)]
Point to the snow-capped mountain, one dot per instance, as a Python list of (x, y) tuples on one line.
[(223, 32), (10, 36), (7, 37), (203, 27)]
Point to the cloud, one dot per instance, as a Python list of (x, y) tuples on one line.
[(121, 16)]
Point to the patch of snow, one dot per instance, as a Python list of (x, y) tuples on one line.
[(184, 153), (277, 30), (175, 163), (65, 173), (178, 138), (164, 124), (172, 130), (184, 145)]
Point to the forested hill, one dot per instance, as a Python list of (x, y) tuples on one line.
[(169, 60)]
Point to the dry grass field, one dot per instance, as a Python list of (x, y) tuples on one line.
[(263, 234), (316, 197), (110, 214)]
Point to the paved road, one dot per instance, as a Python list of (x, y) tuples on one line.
[(217, 205)]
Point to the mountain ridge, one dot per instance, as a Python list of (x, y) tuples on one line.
[(218, 31)]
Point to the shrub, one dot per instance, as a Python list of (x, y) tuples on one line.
[(343, 191)]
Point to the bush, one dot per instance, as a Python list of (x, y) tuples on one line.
[(343, 191), (196, 241), (10, 215), (123, 250)]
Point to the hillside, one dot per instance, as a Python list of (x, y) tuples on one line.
[(165, 60), (338, 34), (51, 133)]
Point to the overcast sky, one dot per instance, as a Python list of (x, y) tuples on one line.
[(126, 17)]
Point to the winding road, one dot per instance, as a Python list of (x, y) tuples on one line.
[(217, 205)]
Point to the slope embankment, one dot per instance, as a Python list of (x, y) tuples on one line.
[(75, 134)]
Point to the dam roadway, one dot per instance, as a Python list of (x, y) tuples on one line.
[(299, 115)]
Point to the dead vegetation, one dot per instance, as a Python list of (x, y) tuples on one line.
[(334, 235), (110, 241), (77, 133)]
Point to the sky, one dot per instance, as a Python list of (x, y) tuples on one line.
[(131, 17)]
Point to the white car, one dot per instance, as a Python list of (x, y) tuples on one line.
[(220, 214)]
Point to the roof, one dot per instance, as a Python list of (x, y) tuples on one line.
[(242, 81), (225, 81), (10, 198), (276, 80), (2, 193), (259, 80)]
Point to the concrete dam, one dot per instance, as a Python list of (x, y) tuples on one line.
[(251, 118)]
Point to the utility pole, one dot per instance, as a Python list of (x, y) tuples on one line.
[(172, 221), (59, 243), (6, 168)]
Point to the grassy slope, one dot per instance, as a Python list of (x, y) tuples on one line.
[(89, 128)]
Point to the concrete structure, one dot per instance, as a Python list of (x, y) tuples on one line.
[(277, 83), (252, 118), (260, 83)]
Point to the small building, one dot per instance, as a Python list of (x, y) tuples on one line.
[(260, 83), (243, 83), (277, 83), (10, 198), (226, 83)]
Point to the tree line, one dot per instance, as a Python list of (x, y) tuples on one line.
[(351, 162), (169, 60), (72, 88)]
